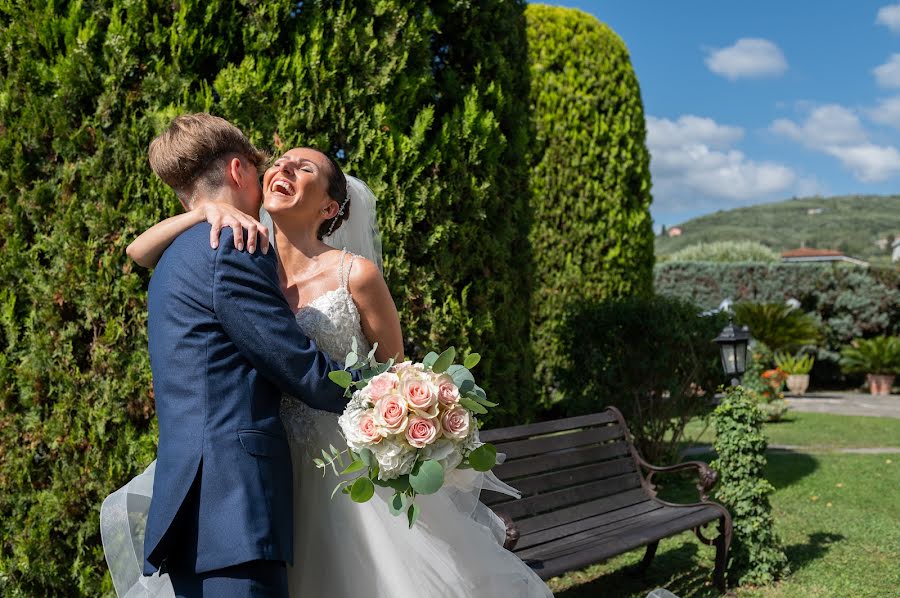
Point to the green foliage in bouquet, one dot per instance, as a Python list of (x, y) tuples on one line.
[(879, 355), (757, 555), (427, 474), (652, 357), (590, 185), (423, 100), (794, 365)]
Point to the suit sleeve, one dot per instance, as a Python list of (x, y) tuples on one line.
[(251, 308)]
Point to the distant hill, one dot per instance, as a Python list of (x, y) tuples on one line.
[(852, 224)]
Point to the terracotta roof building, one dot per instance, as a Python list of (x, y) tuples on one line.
[(810, 254)]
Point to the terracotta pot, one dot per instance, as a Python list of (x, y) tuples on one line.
[(797, 383), (880, 384)]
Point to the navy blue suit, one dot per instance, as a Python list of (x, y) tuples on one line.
[(223, 347)]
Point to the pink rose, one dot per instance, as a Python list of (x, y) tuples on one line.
[(391, 413), (368, 428), (456, 422), (447, 391), (421, 431), (421, 395), (381, 385)]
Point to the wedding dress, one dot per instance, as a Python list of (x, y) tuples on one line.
[(343, 549)]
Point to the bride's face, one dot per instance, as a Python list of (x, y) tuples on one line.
[(298, 181)]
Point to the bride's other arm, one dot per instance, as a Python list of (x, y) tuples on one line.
[(152, 243), (377, 311)]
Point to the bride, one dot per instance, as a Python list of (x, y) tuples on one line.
[(330, 257)]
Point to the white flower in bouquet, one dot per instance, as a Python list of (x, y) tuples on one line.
[(395, 458)]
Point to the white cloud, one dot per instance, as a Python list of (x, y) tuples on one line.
[(887, 112), (889, 16), (831, 124), (869, 163), (888, 74), (748, 57), (690, 129), (691, 161)]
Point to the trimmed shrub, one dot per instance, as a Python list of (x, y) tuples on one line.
[(652, 357), (724, 252), (777, 325), (423, 100), (850, 302), (592, 236), (757, 556)]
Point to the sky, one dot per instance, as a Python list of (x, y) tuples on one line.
[(762, 101)]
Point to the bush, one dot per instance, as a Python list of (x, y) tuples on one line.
[(423, 100), (757, 556), (652, 357), (880, 355), (850, 302), (778, 326), (592, 236), (724, 252)]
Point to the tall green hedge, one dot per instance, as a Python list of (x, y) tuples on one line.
[(850, 302), (591, 235), (423, 100)]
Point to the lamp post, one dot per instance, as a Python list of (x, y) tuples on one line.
[(733, 343)]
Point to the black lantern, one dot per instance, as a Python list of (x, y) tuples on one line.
[(733, 343)]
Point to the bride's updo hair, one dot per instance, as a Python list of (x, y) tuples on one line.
[(337, 190)]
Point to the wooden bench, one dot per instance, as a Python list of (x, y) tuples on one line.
[(586, 497)]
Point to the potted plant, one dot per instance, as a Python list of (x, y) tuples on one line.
[(797, 368), (878, 358)]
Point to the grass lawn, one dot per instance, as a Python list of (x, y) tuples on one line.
[(837, 514), (820, 431)]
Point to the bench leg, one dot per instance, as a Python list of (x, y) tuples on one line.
[(648, 557), (722, 544)]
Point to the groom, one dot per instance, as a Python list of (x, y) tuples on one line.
[(223, 347)]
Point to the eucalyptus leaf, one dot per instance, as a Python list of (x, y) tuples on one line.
[(460, 374), (362, 489), (427, 477), (400, 484), (430, 359), (352, 360), (472, 405), (397, 505), (367, 457), (444, 361), (412, 514), (353, 467), (319, 463), (481, 401), (340, 486), (471, 360), (342, 378), (354, 345), (483, 458), (466, 387)]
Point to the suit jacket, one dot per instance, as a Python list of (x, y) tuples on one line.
[(224, 346)]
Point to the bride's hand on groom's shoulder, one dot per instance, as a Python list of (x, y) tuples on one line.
[(222, 215)]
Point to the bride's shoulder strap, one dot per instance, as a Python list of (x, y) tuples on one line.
[(345, 274)]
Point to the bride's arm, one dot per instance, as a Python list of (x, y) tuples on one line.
[(377, 312), (152, 243)]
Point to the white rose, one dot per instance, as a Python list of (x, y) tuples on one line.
[(349, 424)]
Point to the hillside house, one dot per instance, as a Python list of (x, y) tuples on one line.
[(675, 231), (810, 254)]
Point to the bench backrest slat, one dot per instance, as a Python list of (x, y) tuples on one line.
[(567, 470)]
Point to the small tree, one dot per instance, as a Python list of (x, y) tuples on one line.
[(757, 556)]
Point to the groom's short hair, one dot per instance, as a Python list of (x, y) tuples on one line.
[(194, 150)]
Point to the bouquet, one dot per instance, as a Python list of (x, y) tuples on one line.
[(407, 426)]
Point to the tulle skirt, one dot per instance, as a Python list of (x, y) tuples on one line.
[(345, 550)]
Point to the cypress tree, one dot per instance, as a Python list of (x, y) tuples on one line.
[(592, 234)]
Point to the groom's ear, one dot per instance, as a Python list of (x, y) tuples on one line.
[(235, 173)]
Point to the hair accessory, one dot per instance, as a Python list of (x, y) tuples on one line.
[(340, 213)]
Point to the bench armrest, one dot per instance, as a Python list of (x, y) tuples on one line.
[(706, 475)]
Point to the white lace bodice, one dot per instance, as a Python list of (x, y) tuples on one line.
[(331, 320)]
